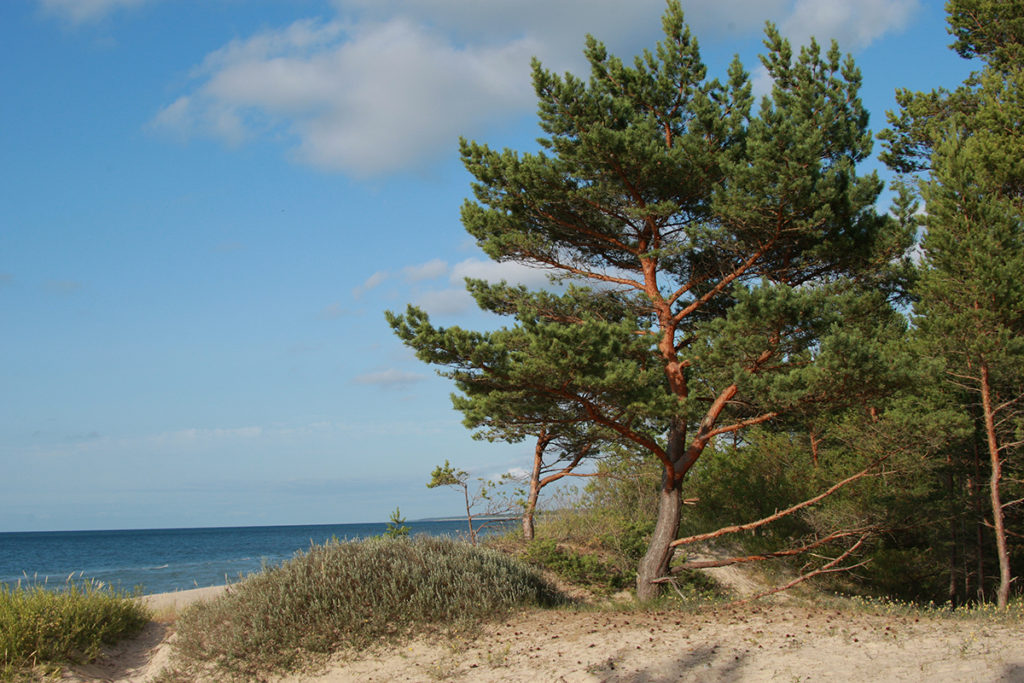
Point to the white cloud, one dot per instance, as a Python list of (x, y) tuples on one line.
[(389, 379), (493, 271), (516, 473), (445, 301), (80, 11), (455, 300), (760, 82), (376, 98), (372, 282), (430, 270), (854, 25), (183, 118), (388, 85)]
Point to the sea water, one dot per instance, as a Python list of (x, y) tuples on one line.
[(163, 560)]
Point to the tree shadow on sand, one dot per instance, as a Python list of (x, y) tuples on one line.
[(706, 663), (1012, 673)]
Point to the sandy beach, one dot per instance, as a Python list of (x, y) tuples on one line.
[(779, 642)]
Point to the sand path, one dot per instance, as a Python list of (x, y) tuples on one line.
[(768, 643)]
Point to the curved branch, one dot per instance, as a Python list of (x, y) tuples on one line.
[(828, 568), (778, 515), (711, 564)]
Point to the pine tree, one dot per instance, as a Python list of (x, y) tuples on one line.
[(724, 250)]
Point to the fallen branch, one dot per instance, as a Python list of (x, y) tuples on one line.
[(778, 515), (712, 564), (828, 568)]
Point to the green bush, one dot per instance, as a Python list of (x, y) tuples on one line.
[(350, 594), (577, 567), (46, 628)]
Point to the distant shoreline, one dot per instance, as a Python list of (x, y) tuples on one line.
[(421, 520)]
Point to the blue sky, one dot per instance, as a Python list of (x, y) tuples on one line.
[(207, 205)]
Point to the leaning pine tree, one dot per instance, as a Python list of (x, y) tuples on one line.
[(720, 257)]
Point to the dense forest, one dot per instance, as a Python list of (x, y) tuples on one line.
[(738, 338)]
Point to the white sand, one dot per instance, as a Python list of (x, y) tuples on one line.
[(178, 600), (751, 643)]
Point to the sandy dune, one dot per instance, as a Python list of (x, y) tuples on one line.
[(759, 643)]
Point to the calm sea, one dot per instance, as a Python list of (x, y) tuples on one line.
[(161, 560)]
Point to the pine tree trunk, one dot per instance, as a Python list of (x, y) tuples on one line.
[(655, 562), (531, 499), (998, 522)]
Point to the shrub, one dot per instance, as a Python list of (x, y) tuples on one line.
[(350, 594), (583, 568), (41, 627)]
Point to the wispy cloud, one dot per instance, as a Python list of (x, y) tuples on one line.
[(6, 279), (452, 301), (372, 282), (82, 11), (421, 272), (206, 434), (389, 379), (494, 271), (331, 311), (425, 271)]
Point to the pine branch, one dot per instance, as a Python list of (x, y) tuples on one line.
[(723, 283), (743, 423)]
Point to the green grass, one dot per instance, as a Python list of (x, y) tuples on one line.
[(41, 629), (983, 611), (351, 594)]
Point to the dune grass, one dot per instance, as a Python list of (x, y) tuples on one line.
[(349, 595), (41, 628)]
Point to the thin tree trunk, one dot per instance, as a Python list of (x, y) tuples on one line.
[(534, 494), (979, 518), (469, 515), (953, 536), (979, 514), (814, 446), (1003, 595)]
